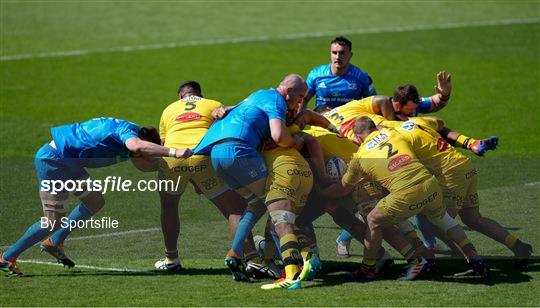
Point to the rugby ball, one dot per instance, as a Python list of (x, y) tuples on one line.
[(336, 167)]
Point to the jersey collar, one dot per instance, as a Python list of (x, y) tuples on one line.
[(192, 98)]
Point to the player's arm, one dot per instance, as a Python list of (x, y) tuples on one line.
[(369, 89), (432, 122), (315, 152), (310, 81), (382, 105), (310, 117), (443, 89), (280, 135), (162, 128), (351, 178), (337, 190), (142, 148)]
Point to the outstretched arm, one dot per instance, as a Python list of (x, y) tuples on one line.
[(443, 89), (144, 148), (310, 117)]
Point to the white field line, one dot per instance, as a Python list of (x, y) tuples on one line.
[(112, 269), (121, 233), (265, 38), (532, 183)]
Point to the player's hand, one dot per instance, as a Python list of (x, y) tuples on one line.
[(444, 84), (183, 153), (219, 112), (326, 180)]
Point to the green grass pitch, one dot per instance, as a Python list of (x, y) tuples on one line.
[(491, 48)]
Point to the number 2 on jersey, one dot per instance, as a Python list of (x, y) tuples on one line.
[(390, 148)]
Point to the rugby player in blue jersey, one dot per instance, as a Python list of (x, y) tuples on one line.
[(74, 147), (232, 143), (339, 82)]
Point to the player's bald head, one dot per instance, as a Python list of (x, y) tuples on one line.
[(363, 126), (294, 83)]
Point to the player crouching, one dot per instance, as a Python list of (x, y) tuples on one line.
[(385, 156)]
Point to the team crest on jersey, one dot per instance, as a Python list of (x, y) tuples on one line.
[(409, 125), (188, 117), (321, 85), (442, 145), (352, 86), (380, 138)]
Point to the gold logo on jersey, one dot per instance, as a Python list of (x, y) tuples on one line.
[(399, 162), (188, 117)]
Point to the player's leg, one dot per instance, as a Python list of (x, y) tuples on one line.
[(91, 203), (243, 170), (283, 215), (472, 217), (54, 208), (469, 211), (286, 195), (343, 243), (355, 225), (232, 206), (372, 244), (254, 211), (170, 228), (436, 213), (49, 167), (478, 147), (423, 224), (227, 201)]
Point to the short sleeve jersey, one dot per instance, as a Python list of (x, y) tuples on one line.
[(96, 143), (247, 121)]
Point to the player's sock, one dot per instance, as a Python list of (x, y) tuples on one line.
[(510, 241), (303, 243), (79, 213), (33, 235), (253, 256), (407, 251), (245, 226), (419, 246), (423, 224), (277, 243), (464, 142), (468, 249), (291, 255), (344, 237), (171, 254), (369, 265)]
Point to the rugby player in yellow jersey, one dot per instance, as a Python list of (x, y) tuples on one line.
[(458, 178), (364, 198), (387, 157), (288, 185), (405, 103), (183, 124)]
